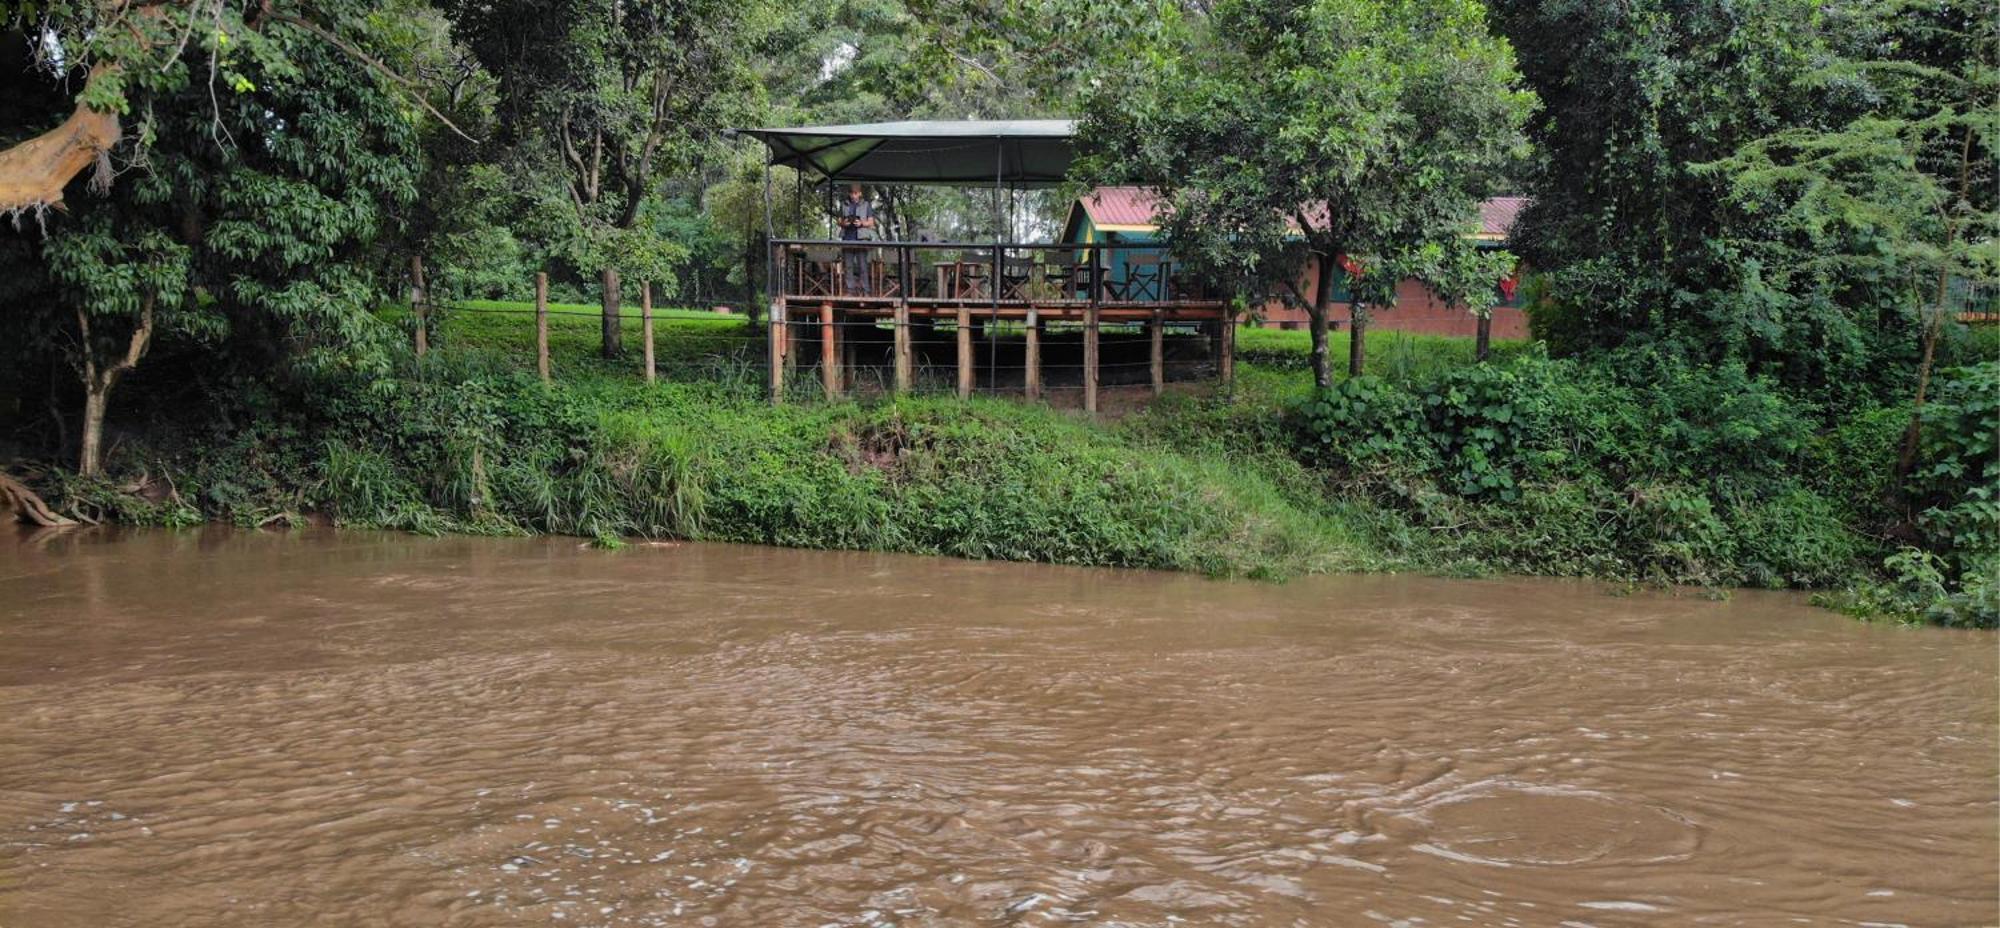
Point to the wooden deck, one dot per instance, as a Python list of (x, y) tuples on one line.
[(831, 318)]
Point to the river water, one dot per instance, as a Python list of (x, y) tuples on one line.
[(228, 728)]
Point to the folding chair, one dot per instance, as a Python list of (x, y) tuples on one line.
[(818, 270), (1145, 278)]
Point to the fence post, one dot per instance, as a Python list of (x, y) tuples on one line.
[(1032, 379), (646, 324), (1159, 352), (420, 304), (1229, 349), (777, 350), (1090, 360), (542, 324)]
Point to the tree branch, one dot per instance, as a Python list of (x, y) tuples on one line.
[(380, 68)]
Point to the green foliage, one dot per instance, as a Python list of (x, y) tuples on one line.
[(1920, 588), (1853, 464), (1779, 184), (1634, 466), (1274, 132), (1958, 479)]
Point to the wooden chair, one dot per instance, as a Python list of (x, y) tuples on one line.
[(1019, 278), (818, 270), (1145, 278)]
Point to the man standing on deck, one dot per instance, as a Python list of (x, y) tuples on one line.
[(857, 224)]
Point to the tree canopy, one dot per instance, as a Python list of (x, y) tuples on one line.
[(1274, 132)]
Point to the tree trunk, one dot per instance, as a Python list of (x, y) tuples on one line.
[(614, 333), (1317, 311), (97, 385), (1357, 341), (90, 458), (1906, 461), (420, 304), (1482, 342)]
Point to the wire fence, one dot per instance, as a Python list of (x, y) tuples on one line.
[(732, 349)]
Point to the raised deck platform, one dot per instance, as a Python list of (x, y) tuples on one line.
[(838, 293)]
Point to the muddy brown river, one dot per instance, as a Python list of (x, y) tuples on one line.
[(226, 728)]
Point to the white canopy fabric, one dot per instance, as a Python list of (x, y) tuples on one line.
[(1016, 152)]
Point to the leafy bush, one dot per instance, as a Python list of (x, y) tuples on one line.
[(1632, 466), (1958, 479)]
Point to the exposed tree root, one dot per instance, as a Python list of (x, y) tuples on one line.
[(28, 506)]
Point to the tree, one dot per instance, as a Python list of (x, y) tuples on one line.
[(251, 221), (1281, 132), (1638, 243), (119, 48), (601, 98), (1901, 193)]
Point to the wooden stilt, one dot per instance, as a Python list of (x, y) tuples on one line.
[(646, 324), (791, 336), (542, 325), (778, 350), (1032, 379), (904, 372), (1159, 331), (829, 352), (1090, 360), (964, 353)]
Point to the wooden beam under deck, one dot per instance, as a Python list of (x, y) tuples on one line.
[(835, 345)]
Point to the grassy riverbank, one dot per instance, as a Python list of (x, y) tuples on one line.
[(1632, 468)]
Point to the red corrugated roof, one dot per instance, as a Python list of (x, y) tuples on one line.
[(1133, 206), (1120, 206), (1496, 216)]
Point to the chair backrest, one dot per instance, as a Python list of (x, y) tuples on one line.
[(1142, 258), (822, 253)]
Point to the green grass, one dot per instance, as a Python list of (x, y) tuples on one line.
[(686, 343), (1395, 356), (481, 445)]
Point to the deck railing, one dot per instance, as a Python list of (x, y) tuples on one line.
[(980, 274)]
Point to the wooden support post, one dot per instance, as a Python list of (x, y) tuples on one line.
[(1032, 381), (542, 325), (777, 350), (964, 353), (646, 324), (788, 337), (829, 353), (905, 374), (1159, 328), (1090, 360), (613, 328), (1228, 367), (1482, 342), (420, 304)]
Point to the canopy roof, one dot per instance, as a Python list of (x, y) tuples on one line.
[(1020, 152)]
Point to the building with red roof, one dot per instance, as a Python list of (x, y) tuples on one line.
[(1126, 215)]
